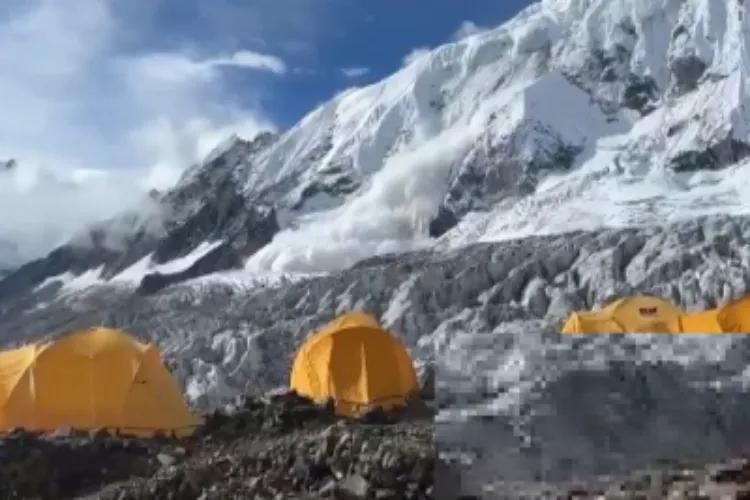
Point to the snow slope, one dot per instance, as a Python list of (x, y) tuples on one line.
[(131, 276), (559, 75)]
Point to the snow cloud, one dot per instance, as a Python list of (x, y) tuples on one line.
[(414, 55), (465, 29), (468, 28), (95, 119)]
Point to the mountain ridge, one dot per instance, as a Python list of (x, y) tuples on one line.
[(476, 141)]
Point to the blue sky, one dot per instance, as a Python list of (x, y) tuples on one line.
[(124, 95), (121, 73), (375, 36), (317, 39)]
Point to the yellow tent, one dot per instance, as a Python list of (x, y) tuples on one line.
[(357, 363), (91, 379), (639, 314), (701, 322), (731, 318)]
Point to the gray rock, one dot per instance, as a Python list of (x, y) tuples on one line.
[(535, 298), (687, 71), (165, 459), (328, 488), (353, 488), (388, 494)]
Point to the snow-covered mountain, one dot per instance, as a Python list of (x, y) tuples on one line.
[(617, 128), (573, 115)]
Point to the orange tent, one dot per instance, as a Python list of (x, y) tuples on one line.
[(357, 363), (639, 314), (701, 322), (733, 317), (91, 379)]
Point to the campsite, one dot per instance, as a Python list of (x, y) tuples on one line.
[(105, 417)]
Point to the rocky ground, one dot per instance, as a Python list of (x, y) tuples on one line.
[(275, 447), (729, 480)]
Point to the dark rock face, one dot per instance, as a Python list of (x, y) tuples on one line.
[(59, 261), (686, 69), (221, 258), (715, 157), (686, 72), (333, 182), (607, 72), (639, 94), (210, 204), (444, 221), (499, 169)]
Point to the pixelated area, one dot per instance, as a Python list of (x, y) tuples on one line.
[(529, 410)]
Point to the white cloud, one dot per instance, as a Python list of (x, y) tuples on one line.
[(181, 67), (354, 72), (254, 60), (93, 125), (414, 55), (468, 28)]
